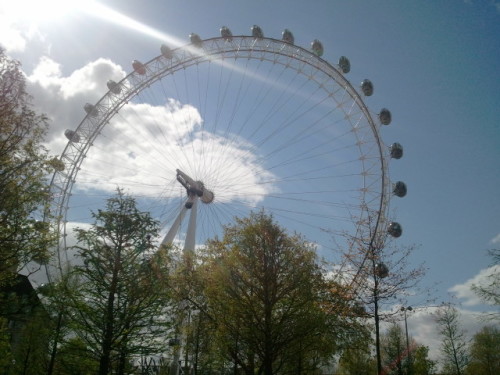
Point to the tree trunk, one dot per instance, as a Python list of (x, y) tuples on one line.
[(53, 353), (377, 328), (106, 346)]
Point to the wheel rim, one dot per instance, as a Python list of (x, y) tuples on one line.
[(266, 124)]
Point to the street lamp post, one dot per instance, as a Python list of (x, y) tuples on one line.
[(405, 309)]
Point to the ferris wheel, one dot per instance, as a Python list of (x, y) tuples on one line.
[(225, 126)]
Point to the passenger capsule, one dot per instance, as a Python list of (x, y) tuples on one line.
[(385, 116), (114, 87), (91, 110), (226, 33), (381, 270), (367, 87), (72, 136), (396, 151), (166, 51), (400, 189), (257, 32), (317, 48), (195, 40), (287, 36), (344, 64), (139, 67), (395, 229)]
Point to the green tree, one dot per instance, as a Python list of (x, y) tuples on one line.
[(357, 359), (453, 346), (118, 309), (193, 324), (490, 290), (31, 351), (270, 303), (422, 364), (382, 273), (5, 352), (485, 352), (73, 359), (24, 165), (394, 351), (55, 305)]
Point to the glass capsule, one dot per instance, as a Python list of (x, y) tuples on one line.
[(381, 270), (91, 109), (385, 116), (114, 87), (166, 51), (367, 87), (396, 151), (72, 136), (344, 64), (287, 36), (257, 32), (195, 40), (317, 48), (395, 229), (226, 33), (400, 189), (139, 67)]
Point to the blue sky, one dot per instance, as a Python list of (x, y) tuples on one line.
[(435, 65)]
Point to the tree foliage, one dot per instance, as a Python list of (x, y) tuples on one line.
[(490, 291), (357, 359), (118, 309), (73, 359), (272, 309), (454, 348), (422, 364), (24, 165), (485, 352), (381, 274), (394, 353), (30, 353)]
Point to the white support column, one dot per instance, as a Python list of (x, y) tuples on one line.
[(169, 238), (190, 241)]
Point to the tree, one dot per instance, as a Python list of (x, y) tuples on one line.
[(73, 359), (269, 300), (398, 360), (24, 165), (5, 351), (490, 292), (118, 309), (485, 352), (394, 350), (453, 346), (422, 364), (31, 352), (357, 359), (382, 274)]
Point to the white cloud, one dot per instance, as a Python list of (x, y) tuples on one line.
[(10, 39), (143, 137), (464, 291), (62, 98), (495, 240), (424, 329), (148, 143), (17, 33)]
